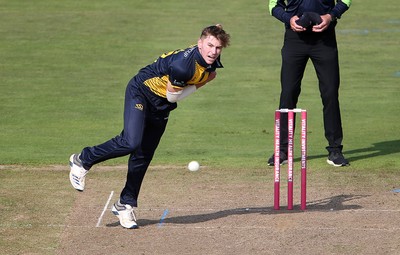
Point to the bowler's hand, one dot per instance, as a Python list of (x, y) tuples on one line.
[(211, 76), (294, 26), (326, 20)]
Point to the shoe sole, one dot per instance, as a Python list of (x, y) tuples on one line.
[(73, 177), (337, 165)]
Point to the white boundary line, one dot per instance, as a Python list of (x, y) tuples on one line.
[(105, 208)]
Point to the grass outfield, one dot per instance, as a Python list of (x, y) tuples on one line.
[(65, 64)]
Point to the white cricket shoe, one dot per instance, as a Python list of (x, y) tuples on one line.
[(125, 214), (77, 173)]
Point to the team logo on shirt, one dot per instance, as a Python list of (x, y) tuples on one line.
[(139, 107)]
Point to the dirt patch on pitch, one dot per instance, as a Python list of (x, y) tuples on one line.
[(230, 212)]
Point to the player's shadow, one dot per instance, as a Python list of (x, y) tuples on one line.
[(336, 203), (377, 149)]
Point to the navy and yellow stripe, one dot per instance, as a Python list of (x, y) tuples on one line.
[(180, 67)]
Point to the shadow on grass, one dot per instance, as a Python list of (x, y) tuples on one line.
[(377, 149), (335, 203)]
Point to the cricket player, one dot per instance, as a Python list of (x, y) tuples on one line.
[(150, 96), (310, 34)]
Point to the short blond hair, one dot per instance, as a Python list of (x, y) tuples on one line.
[(218, 32)]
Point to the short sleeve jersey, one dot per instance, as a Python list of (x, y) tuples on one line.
[(181, 67)]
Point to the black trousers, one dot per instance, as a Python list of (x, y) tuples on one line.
[(143, 128), (321, 48)]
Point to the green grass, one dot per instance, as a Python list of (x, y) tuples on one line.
[(65, 64)]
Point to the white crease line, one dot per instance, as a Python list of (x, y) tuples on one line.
[(104, 210)]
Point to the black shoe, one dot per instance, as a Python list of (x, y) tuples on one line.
[(336, 158), (282, 159)]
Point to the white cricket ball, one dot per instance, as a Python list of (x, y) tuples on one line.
[(193, 166)]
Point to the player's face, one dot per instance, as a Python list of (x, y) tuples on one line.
[(210, 48)]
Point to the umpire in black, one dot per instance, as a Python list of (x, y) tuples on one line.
[(310, 34)]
